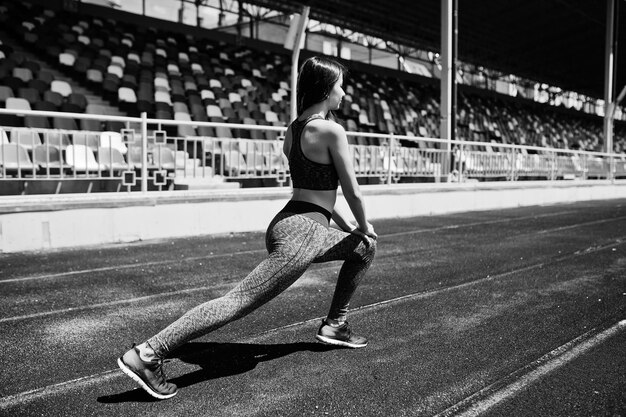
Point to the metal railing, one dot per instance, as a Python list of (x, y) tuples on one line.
[(143, 154)]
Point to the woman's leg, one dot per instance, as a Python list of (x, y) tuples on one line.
[(293, 242), (358, 254)]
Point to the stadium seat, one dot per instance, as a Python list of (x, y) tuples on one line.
[(254, 133), (164, 158), (89, 139), (235, 164), (91, 125), (5, 93), (161, 84), (214, 111), (17, 103), (67, 60), (14, 157), (271, 116), (3, 136), (94, 76), (38, 122), (184, 130), (162, 97), (112, 160), (30, 94), (180, 108), (113, 140), (61, 87), (223, 132), (79, 100), (95, 109), (56, 138), (26, 138), (84, 40), (64, 123), (23, 74), (13, 82), (118, 61), (116, 71), (81, 159), (126, 95), (264, 107), (49, 159), (191, 86)]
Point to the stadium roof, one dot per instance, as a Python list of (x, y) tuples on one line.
[(559, 42)]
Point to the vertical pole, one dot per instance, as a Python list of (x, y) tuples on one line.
[(302, 23), (609, 66), (391, 152), (448, 58), (144, 152)]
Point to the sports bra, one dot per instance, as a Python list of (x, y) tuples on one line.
[(305, 173)]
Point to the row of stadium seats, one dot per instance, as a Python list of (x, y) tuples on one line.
[(49, 152)]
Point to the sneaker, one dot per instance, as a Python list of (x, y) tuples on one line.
[(149, 375), (339, 336)]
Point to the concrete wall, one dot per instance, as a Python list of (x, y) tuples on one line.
[(45, 222)]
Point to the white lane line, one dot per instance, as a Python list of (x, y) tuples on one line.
[(112, 303), (514, 383), (223, 255), (593, 249), (16, 399), (129, 266), (134, 300), (573, 226), (481, 223)]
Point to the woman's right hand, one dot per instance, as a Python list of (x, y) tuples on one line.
[(368, 230)]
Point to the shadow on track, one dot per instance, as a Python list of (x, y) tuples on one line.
[(218, 360)]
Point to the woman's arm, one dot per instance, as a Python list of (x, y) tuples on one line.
[(340, 153), (340, 218)]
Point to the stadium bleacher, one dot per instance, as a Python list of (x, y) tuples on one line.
[(63, 61)]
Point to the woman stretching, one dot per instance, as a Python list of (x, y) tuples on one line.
[(298, 236)]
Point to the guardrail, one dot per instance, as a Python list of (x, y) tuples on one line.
[(141, 154)]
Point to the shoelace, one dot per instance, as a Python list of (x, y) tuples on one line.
[(159, 371)]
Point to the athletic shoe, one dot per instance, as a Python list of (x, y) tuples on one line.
[(149, 375), (340, 336)]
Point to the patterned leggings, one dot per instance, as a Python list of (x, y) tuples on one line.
[(294, 242)]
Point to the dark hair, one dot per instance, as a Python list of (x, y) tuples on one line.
[(317, 77)]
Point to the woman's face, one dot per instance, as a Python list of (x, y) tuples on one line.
[(336, 94)]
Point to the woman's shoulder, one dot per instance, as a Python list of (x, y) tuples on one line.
[(327, 127)]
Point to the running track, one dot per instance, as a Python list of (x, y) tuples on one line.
[(512, 312)]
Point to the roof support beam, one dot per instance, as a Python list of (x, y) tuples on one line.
[(609, 77), (300, 22), (448, 70)]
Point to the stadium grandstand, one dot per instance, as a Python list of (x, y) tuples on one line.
[(150, 102)]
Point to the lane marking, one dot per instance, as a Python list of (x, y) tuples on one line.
[(107, 304), (572, 226), (517, 381), (17, 399), (482, 223), (59, 388), (130, 266), (253, 251)]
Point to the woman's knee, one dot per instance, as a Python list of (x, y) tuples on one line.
[(370, 249)]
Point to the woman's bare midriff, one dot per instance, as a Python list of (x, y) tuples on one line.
[(323, 198)]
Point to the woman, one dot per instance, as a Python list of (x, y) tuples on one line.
[(298, 236)]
